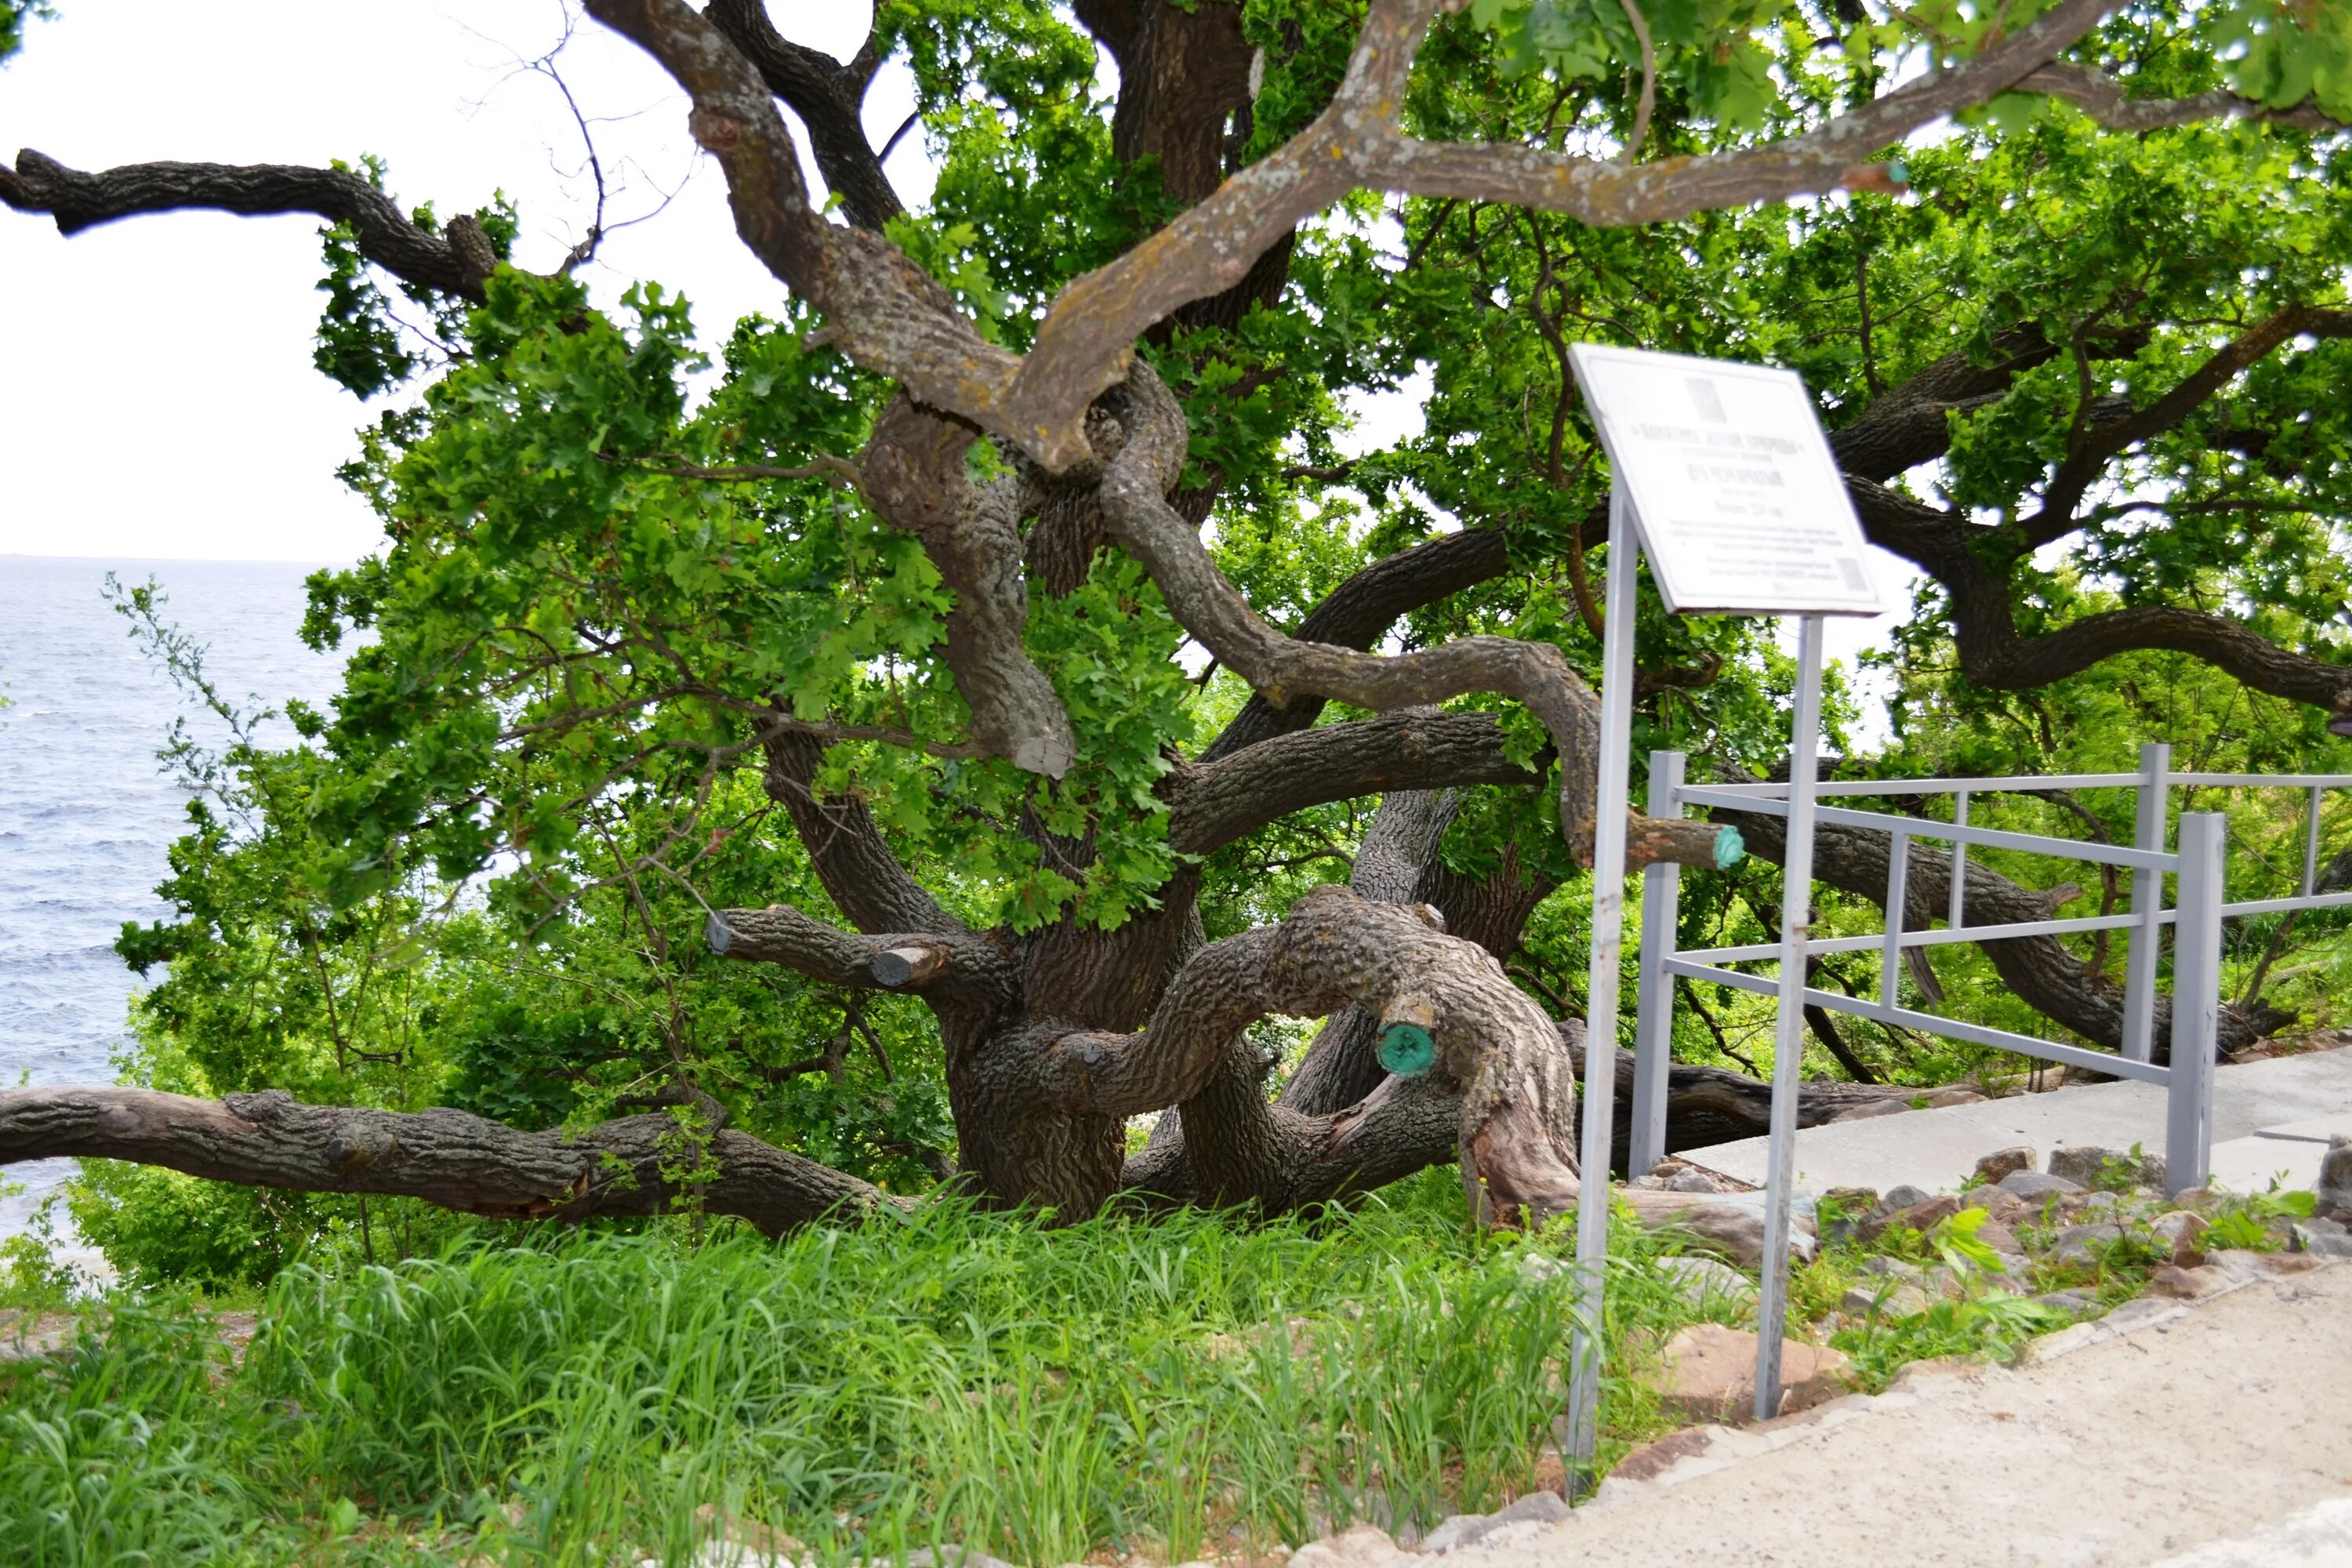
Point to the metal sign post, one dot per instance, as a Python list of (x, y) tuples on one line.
[(1788, 1035), (1721, 472), (1600, 1011)]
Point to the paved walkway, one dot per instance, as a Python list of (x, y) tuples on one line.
[(2269, 1118), (2225, 1432)]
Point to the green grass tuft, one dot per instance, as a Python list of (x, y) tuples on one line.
[(1183, 1384)]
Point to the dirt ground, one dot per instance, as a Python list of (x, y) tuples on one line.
[(2232, 1420)]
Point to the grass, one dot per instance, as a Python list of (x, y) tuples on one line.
[(1167, 1388), (1164, 1386)]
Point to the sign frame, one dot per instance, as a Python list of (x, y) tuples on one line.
[(1632, 532), (1743, 509)]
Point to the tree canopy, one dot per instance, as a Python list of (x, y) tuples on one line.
[(1008, 622)]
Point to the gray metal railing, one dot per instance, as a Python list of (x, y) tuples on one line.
[(2196, 865)]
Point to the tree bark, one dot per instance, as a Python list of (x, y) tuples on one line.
[(445, 1157)]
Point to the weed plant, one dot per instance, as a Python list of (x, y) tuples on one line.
[(1171, 1385)]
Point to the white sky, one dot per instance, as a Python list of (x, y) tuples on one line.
[(156, 393), (157, 399)]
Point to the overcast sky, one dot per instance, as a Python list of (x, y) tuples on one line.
[(157, 399)]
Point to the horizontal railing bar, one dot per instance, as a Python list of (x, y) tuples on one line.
[(1920, 828), (1923, 938), (1949, 786), (2276, 906), (1929, 1023), (2261, 780), (1830, 946), (2038, 785)]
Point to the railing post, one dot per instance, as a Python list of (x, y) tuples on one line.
[(1789, 1022), (1600, 1109), (1654, 1017), (1956, 903), (2153, 804), (2310, 843), (1890, 961), (2195, 1002)]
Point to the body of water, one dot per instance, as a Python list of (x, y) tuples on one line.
[(86, 813)]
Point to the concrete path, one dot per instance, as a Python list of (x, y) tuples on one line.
[(2269, 1118), (2221, 1430)]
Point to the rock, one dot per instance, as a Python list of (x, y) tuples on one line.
[(1730, 1223), (2335, 1188), (2321, 1238), (1704, 1282), (2073, 1302), (1902, 1197), (1848, 1208), (953, 1556), (1710, 1374), (2188, 1284), (1909, 1273), (2000, 1238), (2181, 1232), (24, 1338), (1691, 1181), (1360, 1546), (747, 1544), (1923, 1215), (1888, 1299), (2002, 1162), (1869, 1108), (1455, 1529), (1464, 1529), (2033, 1187), (2087, 1163), (2002, 1207), (1940, 1097), (2085, 1242), (2242, 1264)]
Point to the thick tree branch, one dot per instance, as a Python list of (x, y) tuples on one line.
[(916, 476), (1359, 611), (445, 1157), (864, 879), (1183, 71), (2104, 440), (1281, 667), (455, 262), (1995, 655), (1357, 143), (1216, 802), (1910, 424), (931, 963), (889, 316), (2102, 98), (828, 96), (880, 308)]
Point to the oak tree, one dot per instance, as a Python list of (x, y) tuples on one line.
[(1012, 572)]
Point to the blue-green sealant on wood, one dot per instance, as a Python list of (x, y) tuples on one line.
[(1730, 849), (1407, 1051)]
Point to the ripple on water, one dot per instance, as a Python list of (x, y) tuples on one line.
[(85, 814)]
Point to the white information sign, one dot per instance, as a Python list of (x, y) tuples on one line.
[(1741, 506)]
